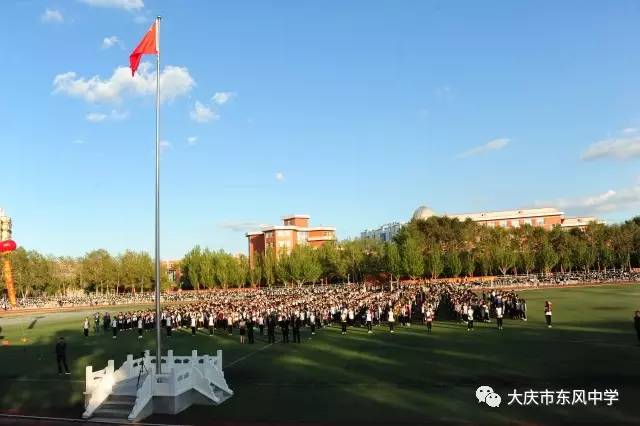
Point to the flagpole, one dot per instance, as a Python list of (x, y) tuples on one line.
[(157, 272)]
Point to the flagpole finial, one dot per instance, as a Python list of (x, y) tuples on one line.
[(158, 17)]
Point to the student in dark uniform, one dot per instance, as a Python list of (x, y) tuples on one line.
[(296, 329), (250, 331), (61, 356), (242, 325), (271, 329), (284, 325), (636, 324)]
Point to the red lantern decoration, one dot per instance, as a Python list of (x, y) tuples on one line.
[(7, 246)]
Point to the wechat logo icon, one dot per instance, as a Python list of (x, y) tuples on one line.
[(488, 396)]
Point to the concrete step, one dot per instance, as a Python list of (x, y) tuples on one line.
[(112, 413), (118, 405), (122, 398), (108, 420)]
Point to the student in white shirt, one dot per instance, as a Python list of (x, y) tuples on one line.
[(369, 320), (391, 319), (499, 315), (168, 325), (140, 328), (470, 319), (85, 326), (548, 313), (429, 316)]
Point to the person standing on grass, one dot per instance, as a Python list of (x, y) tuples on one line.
[(343, 321), (250, 324), (391, 319), (636, 324), (261, 324), (470, 318), (499, 315), (297, 323), (140, 325), (85, 326), (210, 321), (369, 320), (193, 324), (271, 329), (242, 325), (169, 324), (312, 322), (114, 327), (61, 355), (524, 310), (548, 312), (429, 317), (96, 322)]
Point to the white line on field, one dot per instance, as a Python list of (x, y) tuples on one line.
[(242, 358)]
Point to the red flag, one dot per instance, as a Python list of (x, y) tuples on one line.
[(147, 46)]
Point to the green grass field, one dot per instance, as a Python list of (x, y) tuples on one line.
[(408, 376)]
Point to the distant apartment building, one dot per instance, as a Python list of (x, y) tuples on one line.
[(384, 233), (546, 217), (295, 230)]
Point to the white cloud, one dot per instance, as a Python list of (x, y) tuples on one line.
[(280, 176), (164, 145), (52, 15), (241, 226), (97, 117), (79, 142), (609, 201), (116, 4), (174, 82), (192, 140), (620, 148), (202, 113), (492, 145), (109, 42), (142, 19), (222, 98), (446, 93)]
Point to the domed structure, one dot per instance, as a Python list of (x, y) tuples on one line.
[(423, 213)]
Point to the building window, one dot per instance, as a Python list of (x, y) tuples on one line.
[(515, 223), (526, 222), (302, 238), (503, 223), (540, 221)]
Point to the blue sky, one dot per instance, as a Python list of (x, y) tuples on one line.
[(353, 112)]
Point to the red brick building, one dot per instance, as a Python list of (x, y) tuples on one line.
[(295, 230)]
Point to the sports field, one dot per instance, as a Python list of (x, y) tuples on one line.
[(406, 377)]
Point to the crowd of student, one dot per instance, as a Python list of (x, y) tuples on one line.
[(520, 281), (286, 311)]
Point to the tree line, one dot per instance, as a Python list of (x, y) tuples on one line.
[(96, 272), (433, 248)]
